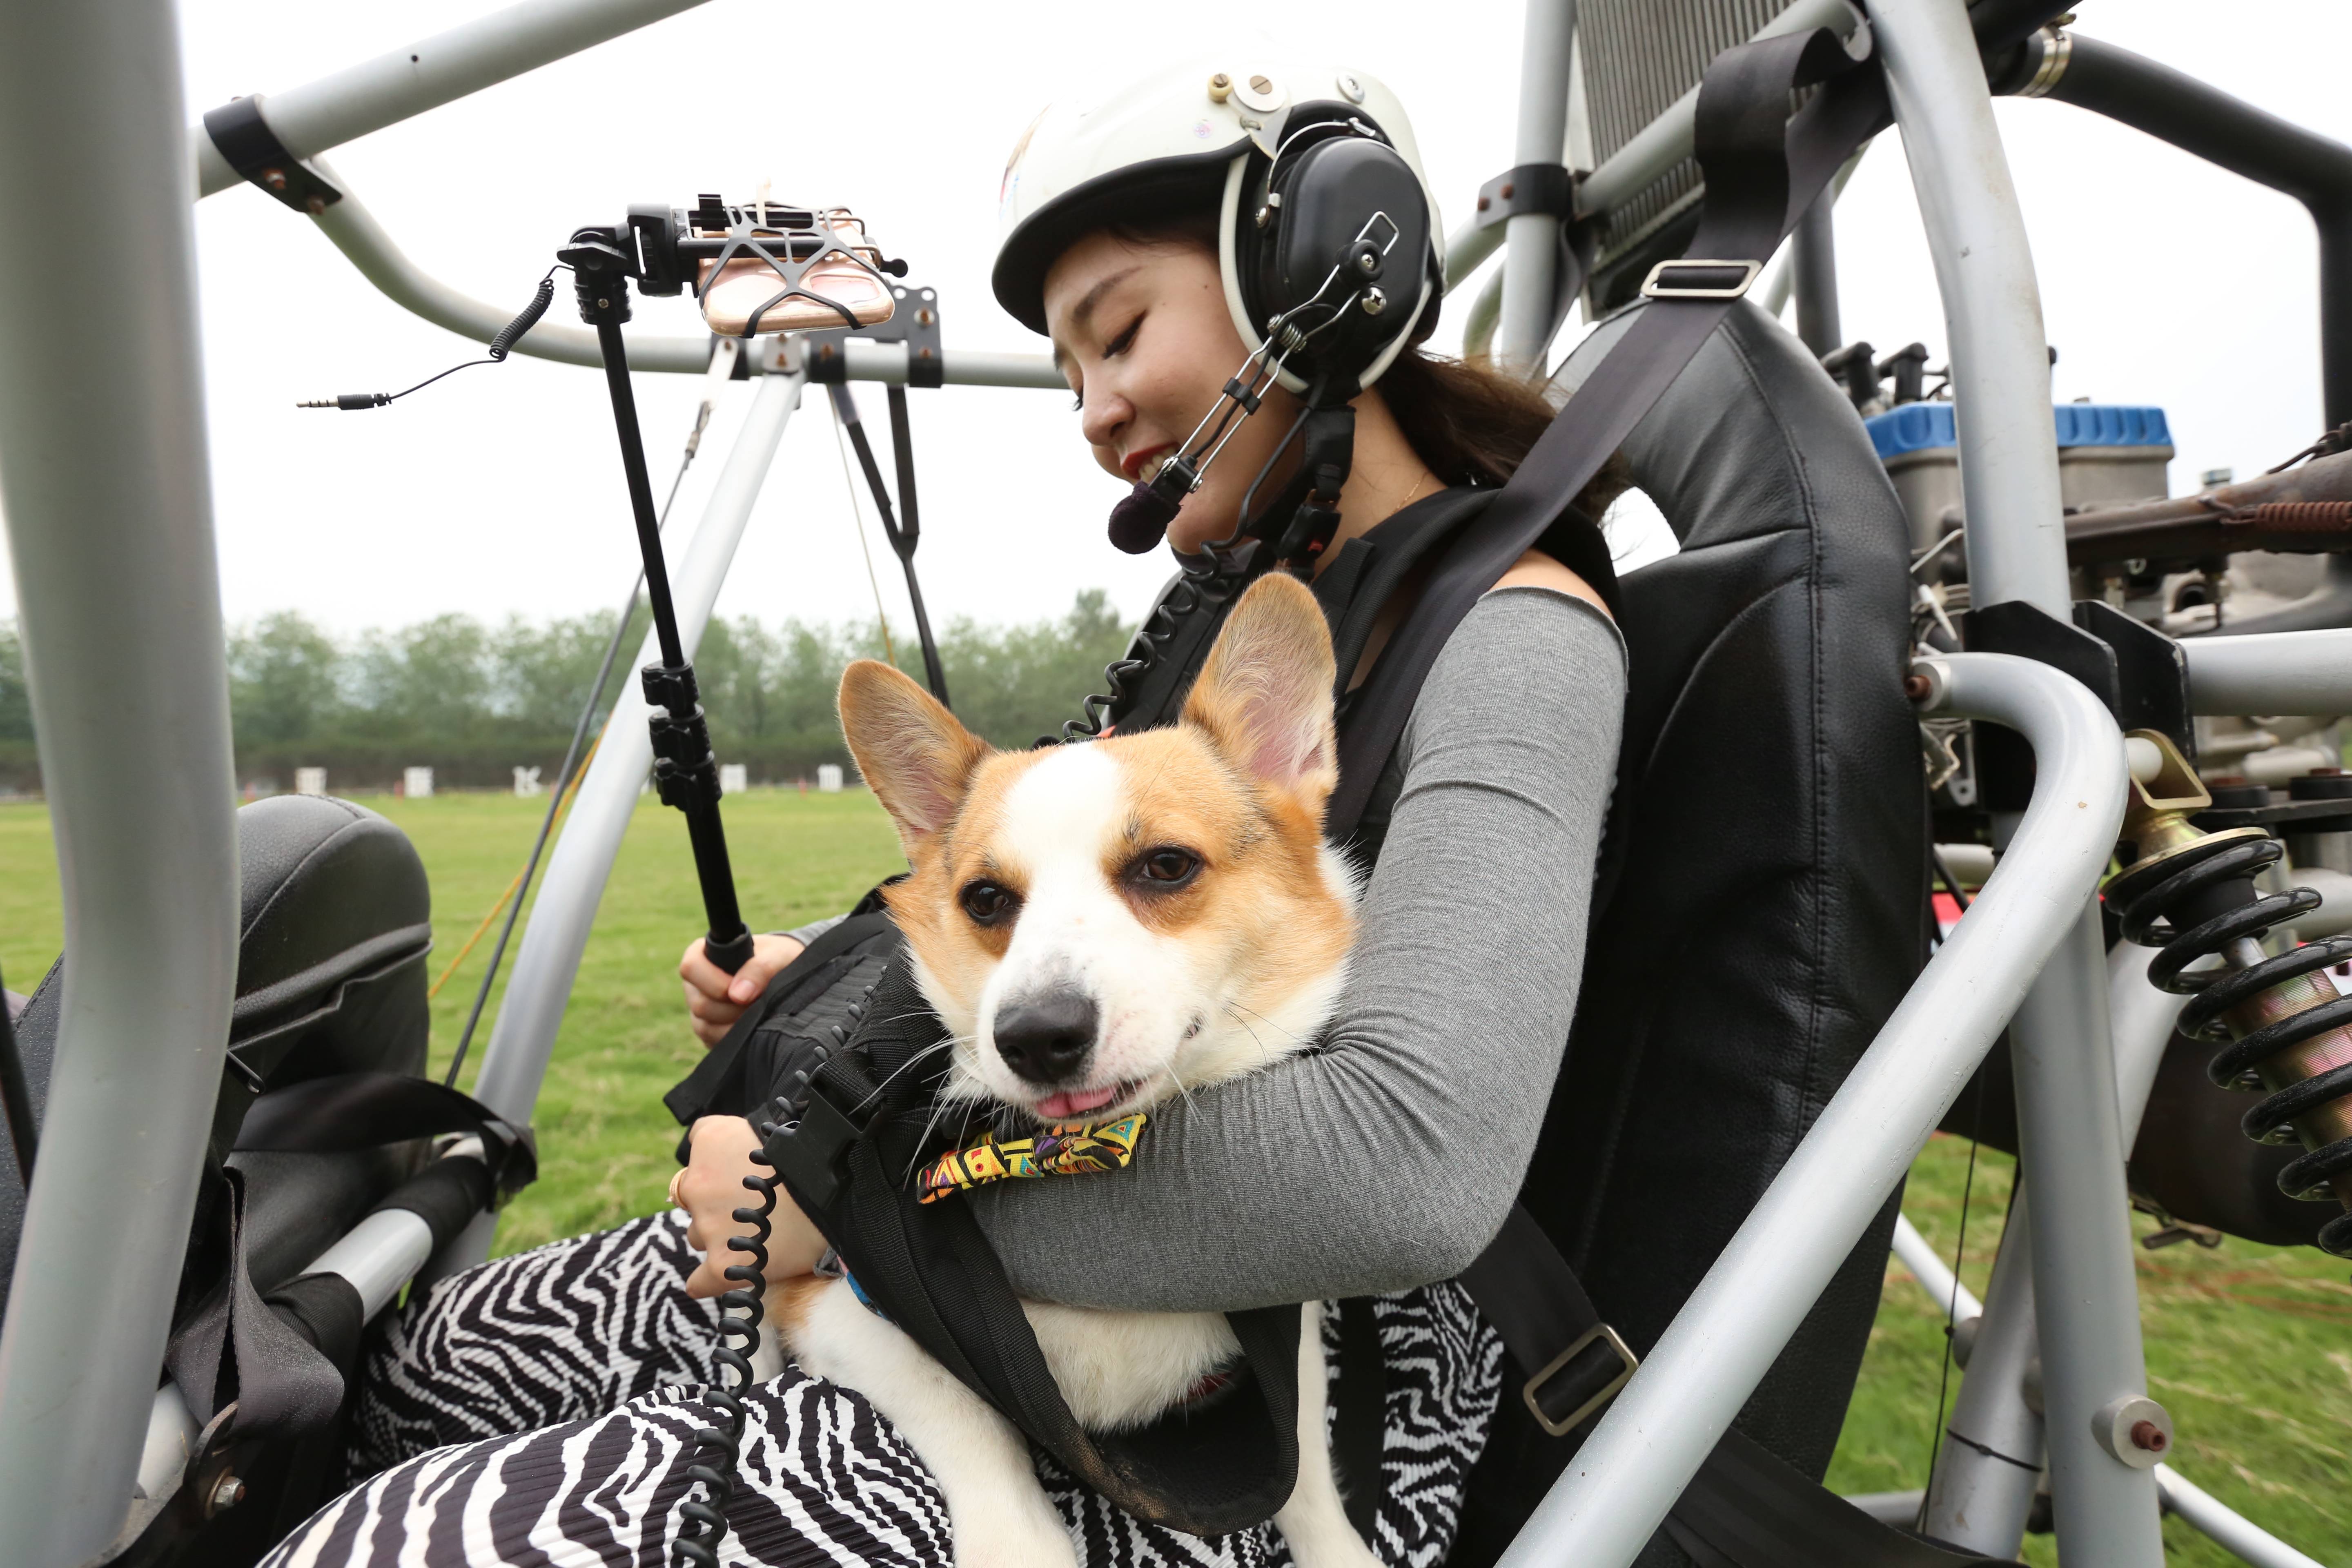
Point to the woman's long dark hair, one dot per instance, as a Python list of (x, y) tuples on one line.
[(1473, 425)]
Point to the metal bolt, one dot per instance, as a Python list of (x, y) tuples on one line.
[(227, 1492), (603, 304), (274, 178), (1507, 191), (924, 318), (1264, 215), (1351, 89), (1260, 84), (1221, 88), (1917, 687), (1367, 261), (1374, 301), (2147, 1434)]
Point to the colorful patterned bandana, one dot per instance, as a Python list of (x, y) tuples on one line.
[(1065, 1149)]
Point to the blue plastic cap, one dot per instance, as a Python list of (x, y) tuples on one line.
[(1922, 426)]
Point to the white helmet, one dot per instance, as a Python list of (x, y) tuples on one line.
[(1296, 161)]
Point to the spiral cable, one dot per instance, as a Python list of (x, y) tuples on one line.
[(718, 1448), (718, 1445), (2159, 909)]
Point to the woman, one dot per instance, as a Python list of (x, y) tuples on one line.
[(1372, 1167)]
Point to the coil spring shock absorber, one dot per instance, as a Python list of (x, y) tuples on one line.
[(2192, 895)]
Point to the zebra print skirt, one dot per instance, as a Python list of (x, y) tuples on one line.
[(539, 1410)]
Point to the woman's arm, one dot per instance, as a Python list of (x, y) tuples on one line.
[(1389, 1158)]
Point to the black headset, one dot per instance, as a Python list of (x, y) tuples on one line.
[(1332, 248), (1334, 242)]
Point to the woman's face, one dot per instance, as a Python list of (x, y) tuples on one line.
[(1142, 334)]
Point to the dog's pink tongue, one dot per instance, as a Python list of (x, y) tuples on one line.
[(1076, 1102)]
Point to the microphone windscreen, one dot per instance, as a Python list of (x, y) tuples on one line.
[(1139, 522)]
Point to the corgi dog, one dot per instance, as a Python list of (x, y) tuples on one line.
[(1102, 927)]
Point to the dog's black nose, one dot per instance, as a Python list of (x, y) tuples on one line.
[(1044, 1038)]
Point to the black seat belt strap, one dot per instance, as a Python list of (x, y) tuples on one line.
[(1570, 1362), (1762, 168)]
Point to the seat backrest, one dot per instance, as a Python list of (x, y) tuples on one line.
[(334, 925), (1763, 895)]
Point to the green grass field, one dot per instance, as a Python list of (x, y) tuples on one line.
[(2249, 1347)]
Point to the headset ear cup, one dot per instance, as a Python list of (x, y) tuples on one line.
[(1326, 196)]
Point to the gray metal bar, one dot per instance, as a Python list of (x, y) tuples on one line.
[(2273, 672), (1980, 1501), (354, 230), (334, 109), (1935, 1276), (2248, 1541), (1976, 1499), (515, 1062), (2086, 1295), (108, 496), (1812, 272), (1992, 306), (1711, 1357), (1531, 243), (1466, 249)]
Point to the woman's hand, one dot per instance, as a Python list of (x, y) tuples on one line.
[(715, 999), (711, 1189)]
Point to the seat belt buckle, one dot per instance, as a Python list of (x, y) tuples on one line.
[(1692, 278), (1597, 1353)]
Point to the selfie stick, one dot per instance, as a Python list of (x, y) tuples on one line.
[(685, 773)]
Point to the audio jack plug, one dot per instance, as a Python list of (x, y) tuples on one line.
[(501, 346)]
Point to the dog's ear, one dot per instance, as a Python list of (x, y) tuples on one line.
[(915, 756), (1265, 695)]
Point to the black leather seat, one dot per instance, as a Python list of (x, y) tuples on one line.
[(334, 927), (1763, 897)]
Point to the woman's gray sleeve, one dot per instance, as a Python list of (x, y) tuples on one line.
[(1389, 1158), (815, 929)]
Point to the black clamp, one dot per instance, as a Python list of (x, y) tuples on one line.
[(685, 769), (250, 147), (1545, 188), (915, 321), (2137, 673)]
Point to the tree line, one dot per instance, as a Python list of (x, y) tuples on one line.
[(473, 700)]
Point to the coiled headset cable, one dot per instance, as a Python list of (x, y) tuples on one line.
[(501, 346)]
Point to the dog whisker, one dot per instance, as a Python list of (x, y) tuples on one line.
[(1237, 1009), (910, 1061)]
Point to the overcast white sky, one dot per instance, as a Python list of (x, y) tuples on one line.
[(498, 492)]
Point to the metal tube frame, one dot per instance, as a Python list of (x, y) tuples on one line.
[(153, 881), (1531, 243), (353, 229), (1654, 1437), (319, 115), (108, 494)]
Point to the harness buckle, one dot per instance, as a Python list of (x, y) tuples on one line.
[(1618, 1367), (1693, 278)]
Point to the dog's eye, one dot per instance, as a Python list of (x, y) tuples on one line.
[(1168, 868), (988, 903)]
